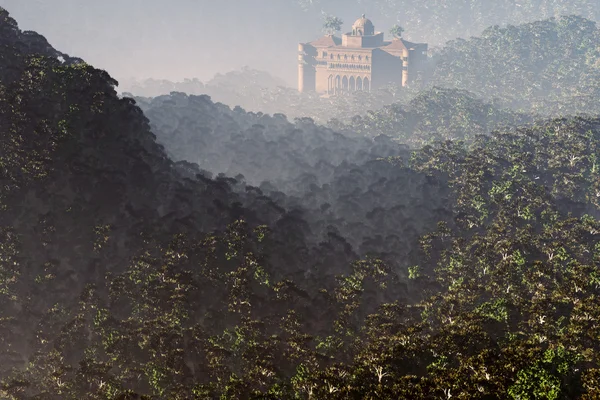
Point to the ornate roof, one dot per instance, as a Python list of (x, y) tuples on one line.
[(396, 44), (327, 41), (363, 26)]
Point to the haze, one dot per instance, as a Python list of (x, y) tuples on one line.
[(417, 216), (174, 40), (196, 39)]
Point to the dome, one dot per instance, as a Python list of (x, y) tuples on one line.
[(363, 27)]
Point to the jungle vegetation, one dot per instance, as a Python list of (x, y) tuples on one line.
[(445, 247)]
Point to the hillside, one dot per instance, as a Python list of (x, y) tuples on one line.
[(181, 249), (263, 96), (433, 115), (89, 197), (259, 146), (547, 66), (436, 22)]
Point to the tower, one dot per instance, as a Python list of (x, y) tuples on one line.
[(301, 63), (306, 68)]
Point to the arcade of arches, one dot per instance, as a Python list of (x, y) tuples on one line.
[(339, 84)]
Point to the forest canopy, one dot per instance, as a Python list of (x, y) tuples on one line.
[(442, 246), (437, 21), (548, 67)]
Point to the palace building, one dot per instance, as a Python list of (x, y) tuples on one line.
[(360, 60)]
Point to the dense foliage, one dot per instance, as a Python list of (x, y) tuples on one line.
[(259, 146), (546, 67), (259, 92), (433, 115), (549, 66), (437, 21), (335, 265)]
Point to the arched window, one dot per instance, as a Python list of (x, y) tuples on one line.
[(366, 85), (359, 83), (352, 84), (345, 84)]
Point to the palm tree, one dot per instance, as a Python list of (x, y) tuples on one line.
[(332, 24), (396, 31)]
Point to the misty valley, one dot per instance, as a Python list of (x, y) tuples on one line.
[(417, 216)]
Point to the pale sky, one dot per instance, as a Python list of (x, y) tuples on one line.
[(175, 39)]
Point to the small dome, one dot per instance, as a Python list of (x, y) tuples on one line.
[(363, 27)]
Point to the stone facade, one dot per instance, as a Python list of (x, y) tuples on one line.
[(359, 61)]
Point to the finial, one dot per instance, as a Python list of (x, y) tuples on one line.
[(363, 16)]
